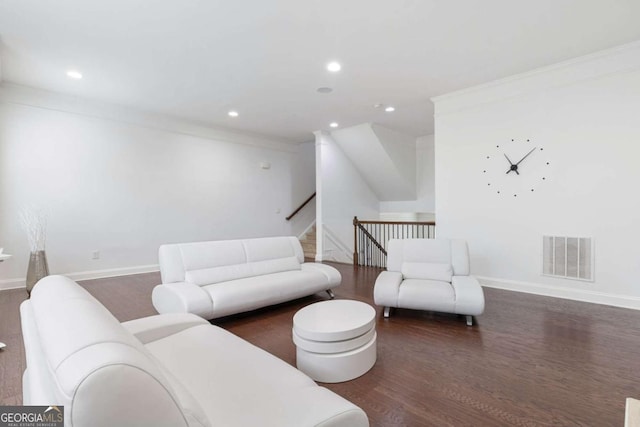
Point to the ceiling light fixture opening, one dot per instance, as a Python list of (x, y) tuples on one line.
[(390, 109), (334, 66), (333, 124), (233, 113), (324, 90), (73, 74)]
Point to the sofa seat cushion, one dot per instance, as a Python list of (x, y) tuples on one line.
[(426, 295), (208, 276), (238, 384), (241, 295)]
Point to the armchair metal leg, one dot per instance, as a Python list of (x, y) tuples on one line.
[(469, 320), (331, 294), (387, 311)]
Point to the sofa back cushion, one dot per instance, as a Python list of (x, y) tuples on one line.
[(427, 271), (209, 276), (102, 374), (451, 252), (206, 263)]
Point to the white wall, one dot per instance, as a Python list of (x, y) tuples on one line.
[(303, 186), (425, 181), (124, 188), (304, 169), (585, 115), (343, 194), (383, 157)]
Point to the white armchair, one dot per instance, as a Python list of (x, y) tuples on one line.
[(429, 274)]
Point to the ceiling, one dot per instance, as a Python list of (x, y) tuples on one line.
[(198, 59)]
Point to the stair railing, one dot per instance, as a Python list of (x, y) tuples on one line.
[(370, 238), (300, 207)]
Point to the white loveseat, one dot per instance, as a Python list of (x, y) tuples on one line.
[(429, 274), (219, 278), (164, 370)]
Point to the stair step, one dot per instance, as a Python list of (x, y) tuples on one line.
[(308, 242), (307, 247)]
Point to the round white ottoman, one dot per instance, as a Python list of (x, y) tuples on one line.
[(335, 340)]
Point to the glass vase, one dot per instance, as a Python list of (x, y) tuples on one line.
[(38, 268)]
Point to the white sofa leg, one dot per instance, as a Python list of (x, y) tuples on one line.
[(469, 320), (331, 294), (387, 311)]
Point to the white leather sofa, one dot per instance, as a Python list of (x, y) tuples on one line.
[(219, 278), (163, 370), (429, 274)]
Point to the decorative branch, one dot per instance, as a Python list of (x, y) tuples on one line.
[(34, 223)]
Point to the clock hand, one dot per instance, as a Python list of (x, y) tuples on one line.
[(511, 164), (526, 155), (508, 159), (513, 168)]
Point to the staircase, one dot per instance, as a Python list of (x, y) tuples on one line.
[(308, 242)]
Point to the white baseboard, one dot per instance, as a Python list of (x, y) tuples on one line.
[(562, 292), (87, 275)]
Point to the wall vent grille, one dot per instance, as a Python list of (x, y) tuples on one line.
[(567, 257)]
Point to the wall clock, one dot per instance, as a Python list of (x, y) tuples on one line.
[(515, 168)]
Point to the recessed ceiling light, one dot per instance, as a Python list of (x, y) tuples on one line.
[(233, 113), (334, 66), (390, 109), (73, 74), (324, 90), (378, 105), (333, 124)]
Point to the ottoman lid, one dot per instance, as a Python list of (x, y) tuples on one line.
[(334, 320)]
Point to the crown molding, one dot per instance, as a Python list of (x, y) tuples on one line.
[(37, 98), (620, 59)]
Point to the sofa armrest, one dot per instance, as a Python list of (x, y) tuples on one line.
[(387, 288), (182, 297), (334, 278), (469, 295), (153, 328), (38, 386)]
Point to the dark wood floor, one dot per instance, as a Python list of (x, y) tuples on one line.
[(529, 361)]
